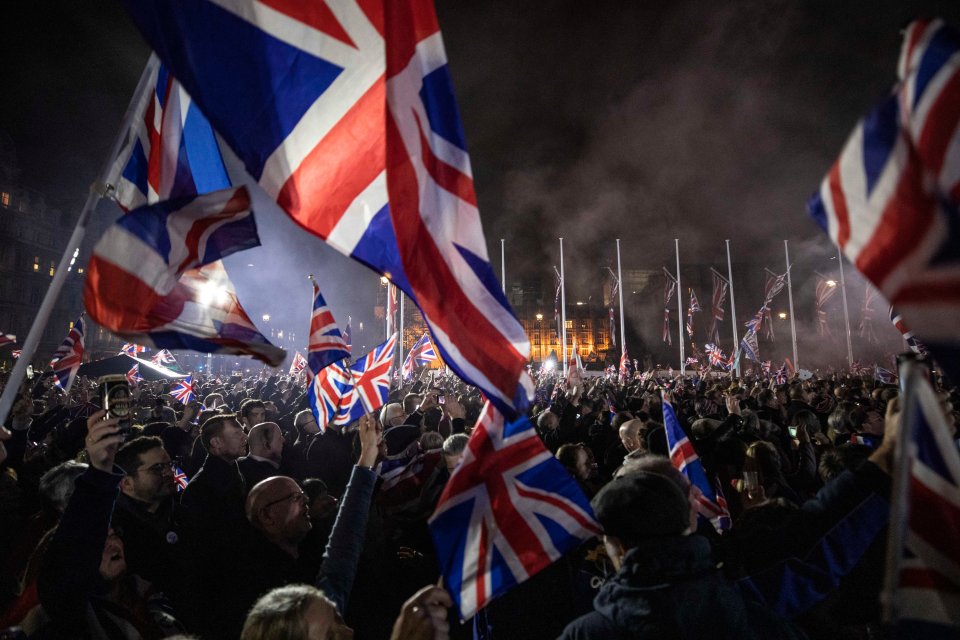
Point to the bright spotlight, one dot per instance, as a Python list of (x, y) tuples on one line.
[(549, 365), (212, 293), (831, 283)]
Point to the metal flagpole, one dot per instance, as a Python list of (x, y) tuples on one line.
[(793, 320), (563, 309), (676, 246), (98, 190), (733, 307), (623, 335), (846, 313), (400, 341), (503, 265)]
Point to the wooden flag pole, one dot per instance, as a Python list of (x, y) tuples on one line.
[(99, 189)]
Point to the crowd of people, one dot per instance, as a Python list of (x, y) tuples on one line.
[(236, 516)]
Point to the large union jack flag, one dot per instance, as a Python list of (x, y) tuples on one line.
[(171, 152), (68, 357), (371, 383), (182, 391), (157, 276), (927, 585), (420, 354), (326, 343), (347, 106), (685, 460), (508, 511), (890, 201)]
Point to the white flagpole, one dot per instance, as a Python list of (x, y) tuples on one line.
[(846, 313), (623, 335), (400, 341), (733, 308), (676, 246), (563, 309), (503, 265), (793, 320), (98, 190)]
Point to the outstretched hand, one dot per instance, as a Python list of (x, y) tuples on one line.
[(370, 433)]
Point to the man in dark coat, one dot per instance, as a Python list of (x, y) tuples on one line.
[(666, 585)]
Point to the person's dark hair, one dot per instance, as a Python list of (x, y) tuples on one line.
[(654, 438), (619, 418), (567, 455), (248, 405), (155, 428), (641, 506), (128, 456), (764, 397), (314, 488), (213, 428), (847, 456), (57, 484), (809, 421), (431, 419), (846, 418)]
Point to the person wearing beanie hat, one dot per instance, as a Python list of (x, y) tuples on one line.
[(667, 584)]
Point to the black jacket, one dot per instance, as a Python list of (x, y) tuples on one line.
[(254, 471), (670, 588)]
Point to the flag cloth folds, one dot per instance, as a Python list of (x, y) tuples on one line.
[(890, 201), (669, 286), (720, 287), (624, 365), (326, 343), (348, 333), (915, 345), (163, 358), (156, 276), (182, 391), (925, 600), (7, 338), (866, 314), (692, 308), (330, 388), (343, 111), (773, 286), (685, 460), (68, 357), (132, 349), (750, 347), (370, 380), (420, 354), (507, 512), (825, 290)]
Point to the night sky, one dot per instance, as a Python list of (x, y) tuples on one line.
[(640, 120)]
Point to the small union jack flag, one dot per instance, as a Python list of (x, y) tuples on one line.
[(180, 478), (371, 383), (780, 377), (182, 391), (163, 358), (624, 365), (716, 356), (299, 364), (7, 338), (326, 344), (693, 307), (685, 459), (133, 376), (132, 349), (507, 512), (16, 353), (66, 361), (422, 353)]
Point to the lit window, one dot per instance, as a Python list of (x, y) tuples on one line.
[(80, 270), (5, 199), (36, 263), (52, 269)]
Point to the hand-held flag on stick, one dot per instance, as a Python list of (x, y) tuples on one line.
[(68, 357), (133, 375), (420, 354), (923, 571), (339, 117), (182, 390), (326, 343), (685, 460), (299, 364), (371, 383), (507, 512)]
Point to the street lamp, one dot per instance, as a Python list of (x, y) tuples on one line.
[(831, 283), (782, 315), (266, 317), (383, 280), (539, 316)]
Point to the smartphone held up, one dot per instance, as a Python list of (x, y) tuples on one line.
[(117, 400)]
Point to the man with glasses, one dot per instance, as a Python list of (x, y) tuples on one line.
[(144, 515)]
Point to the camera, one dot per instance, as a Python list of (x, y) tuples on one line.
[(117, 401)]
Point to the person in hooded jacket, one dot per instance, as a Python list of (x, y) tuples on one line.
[(666, 585)]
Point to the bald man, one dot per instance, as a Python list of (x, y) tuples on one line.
[(266, 452), (630, 435)]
